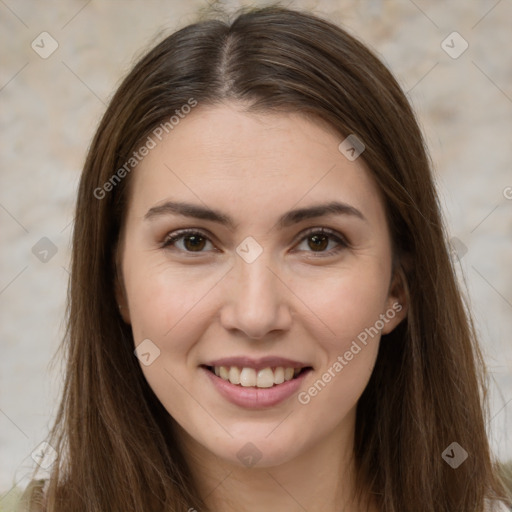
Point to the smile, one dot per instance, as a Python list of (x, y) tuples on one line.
[(249, 387), (249, 377)]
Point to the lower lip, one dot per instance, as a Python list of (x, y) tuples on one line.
[(252, 397)]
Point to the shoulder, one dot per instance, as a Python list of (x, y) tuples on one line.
[(496, 506), (32, 498)]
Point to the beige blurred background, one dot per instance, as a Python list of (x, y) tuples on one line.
[(50, 105)]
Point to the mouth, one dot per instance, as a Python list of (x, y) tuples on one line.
[(251, 384), (258, 383), (261, 378)]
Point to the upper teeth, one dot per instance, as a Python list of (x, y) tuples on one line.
[(247, 377)]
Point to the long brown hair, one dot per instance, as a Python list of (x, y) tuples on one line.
[(112, 435)]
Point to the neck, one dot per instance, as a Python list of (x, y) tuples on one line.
[(320, 479)]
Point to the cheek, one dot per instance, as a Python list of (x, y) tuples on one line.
[(171, 309), (167, 305), (351, 307), (344, 301)]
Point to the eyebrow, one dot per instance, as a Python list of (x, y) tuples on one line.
[(287, 219)]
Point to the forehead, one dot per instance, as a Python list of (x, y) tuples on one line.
[(251, 164)]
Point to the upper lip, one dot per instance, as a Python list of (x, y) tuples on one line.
[(257, 364)]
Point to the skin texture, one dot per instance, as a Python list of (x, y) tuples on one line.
[(292, 301)]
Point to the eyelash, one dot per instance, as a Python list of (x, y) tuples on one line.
[(176, 236)]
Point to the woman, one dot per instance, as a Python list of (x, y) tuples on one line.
[(263, 313)]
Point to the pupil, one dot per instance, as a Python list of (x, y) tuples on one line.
[(194, 243), (319, 241)]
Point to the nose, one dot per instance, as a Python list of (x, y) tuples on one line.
[(255, 300)]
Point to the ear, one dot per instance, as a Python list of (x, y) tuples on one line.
[(120, 290), (397, 303)]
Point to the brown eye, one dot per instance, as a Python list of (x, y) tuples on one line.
[(194, 242), (322, 242), (187, 241), (318, 242)]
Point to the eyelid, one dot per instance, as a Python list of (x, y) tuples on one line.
[(333, 234), (324, 231), (186, 231), (178, 234)]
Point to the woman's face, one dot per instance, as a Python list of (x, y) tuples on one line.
[(289, 317)]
